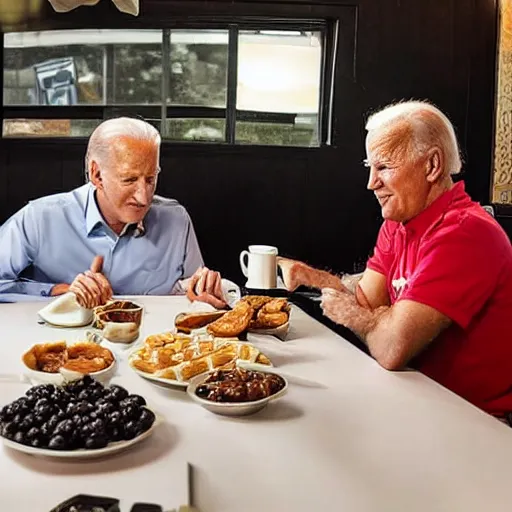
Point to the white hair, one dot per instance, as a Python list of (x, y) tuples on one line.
[(429, 127), (99, 145)]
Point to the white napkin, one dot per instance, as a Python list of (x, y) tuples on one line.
[(127, 6), (65, 311)]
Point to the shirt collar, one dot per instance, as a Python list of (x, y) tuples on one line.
[(419, 224), (93, 218)]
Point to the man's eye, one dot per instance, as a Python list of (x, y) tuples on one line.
[(381, 167), (129, 180), (151, 180)]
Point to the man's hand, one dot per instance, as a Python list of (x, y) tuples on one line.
[(294, 273), (338, 306), (205, 286), (59, 289), (91, 287)]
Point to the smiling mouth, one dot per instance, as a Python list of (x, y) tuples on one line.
[(383, 200)]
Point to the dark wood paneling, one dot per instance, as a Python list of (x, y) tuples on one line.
[(312, 203)]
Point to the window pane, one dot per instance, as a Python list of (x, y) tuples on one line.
[(209, 130), (49, 127), (279, 72), (50, 68), (198, 68), (276, 134), (137, 75)]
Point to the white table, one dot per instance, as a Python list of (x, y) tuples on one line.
[(364, 439)]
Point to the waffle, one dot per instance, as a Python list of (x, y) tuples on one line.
[(178, 357)]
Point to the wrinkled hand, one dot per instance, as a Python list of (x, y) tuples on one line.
[(91, 287), (205, 286), (337, 305), (293, 273)]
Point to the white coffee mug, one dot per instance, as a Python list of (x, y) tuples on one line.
[(261, 266)]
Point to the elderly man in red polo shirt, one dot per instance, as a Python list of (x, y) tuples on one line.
[(437, 293)]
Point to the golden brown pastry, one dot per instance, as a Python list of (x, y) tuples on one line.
[(256, 301), (275, 306), (234, 322), (269, 320), (186, 322), (184, 360), (84, 357)]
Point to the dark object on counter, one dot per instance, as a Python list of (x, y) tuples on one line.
[(87, 503), (146, 507), (239, 385), (81, 414)]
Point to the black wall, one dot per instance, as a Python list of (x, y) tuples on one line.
[(311, 203)]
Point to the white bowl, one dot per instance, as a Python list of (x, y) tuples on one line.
[(234, 408), (36, 377)]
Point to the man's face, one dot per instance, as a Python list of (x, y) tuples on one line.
[(126, 185), (397, 180)]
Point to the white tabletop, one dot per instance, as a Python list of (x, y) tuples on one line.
[(361, 439)]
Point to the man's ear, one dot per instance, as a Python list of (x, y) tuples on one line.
[(95, 175), (435, 165)]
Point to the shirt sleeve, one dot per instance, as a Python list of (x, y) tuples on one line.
[(19, 242), (459, 267), (383, 252)]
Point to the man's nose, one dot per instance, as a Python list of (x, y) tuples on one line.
[(373, 180), (142, 194)]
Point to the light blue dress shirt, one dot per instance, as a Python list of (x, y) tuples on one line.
[(54, 238)]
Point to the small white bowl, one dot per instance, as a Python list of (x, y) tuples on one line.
[(36, 377), (231, 408)]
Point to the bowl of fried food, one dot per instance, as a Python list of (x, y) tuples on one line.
[(236, 392), (252, 313), (58, 362)]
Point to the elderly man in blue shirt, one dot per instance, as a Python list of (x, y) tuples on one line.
[(109, 236)]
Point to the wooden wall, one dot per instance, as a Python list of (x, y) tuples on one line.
[(311, 203)]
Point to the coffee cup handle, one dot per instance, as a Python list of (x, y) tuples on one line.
[(243, 265)]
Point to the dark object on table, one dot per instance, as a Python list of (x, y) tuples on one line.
[(87, 503), (81, 414), (146, 507), (239, 385)]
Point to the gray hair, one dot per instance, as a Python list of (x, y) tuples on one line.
[(99, 145), (429, 127)]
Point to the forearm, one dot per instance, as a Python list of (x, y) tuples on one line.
[(393, 334), (315, 278), (368, 324)]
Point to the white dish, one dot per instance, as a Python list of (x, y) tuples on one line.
[(159, 380), (279, 332), (82, 454), (231, 409)]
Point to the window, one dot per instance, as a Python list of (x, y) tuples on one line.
[(237, 84)]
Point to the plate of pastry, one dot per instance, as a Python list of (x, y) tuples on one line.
[(174, 358), (82, 419), (253, 313)]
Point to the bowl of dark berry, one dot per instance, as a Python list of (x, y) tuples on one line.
[(236, 392), (82, 419)]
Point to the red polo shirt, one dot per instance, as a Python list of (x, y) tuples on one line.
[(456, 258)]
